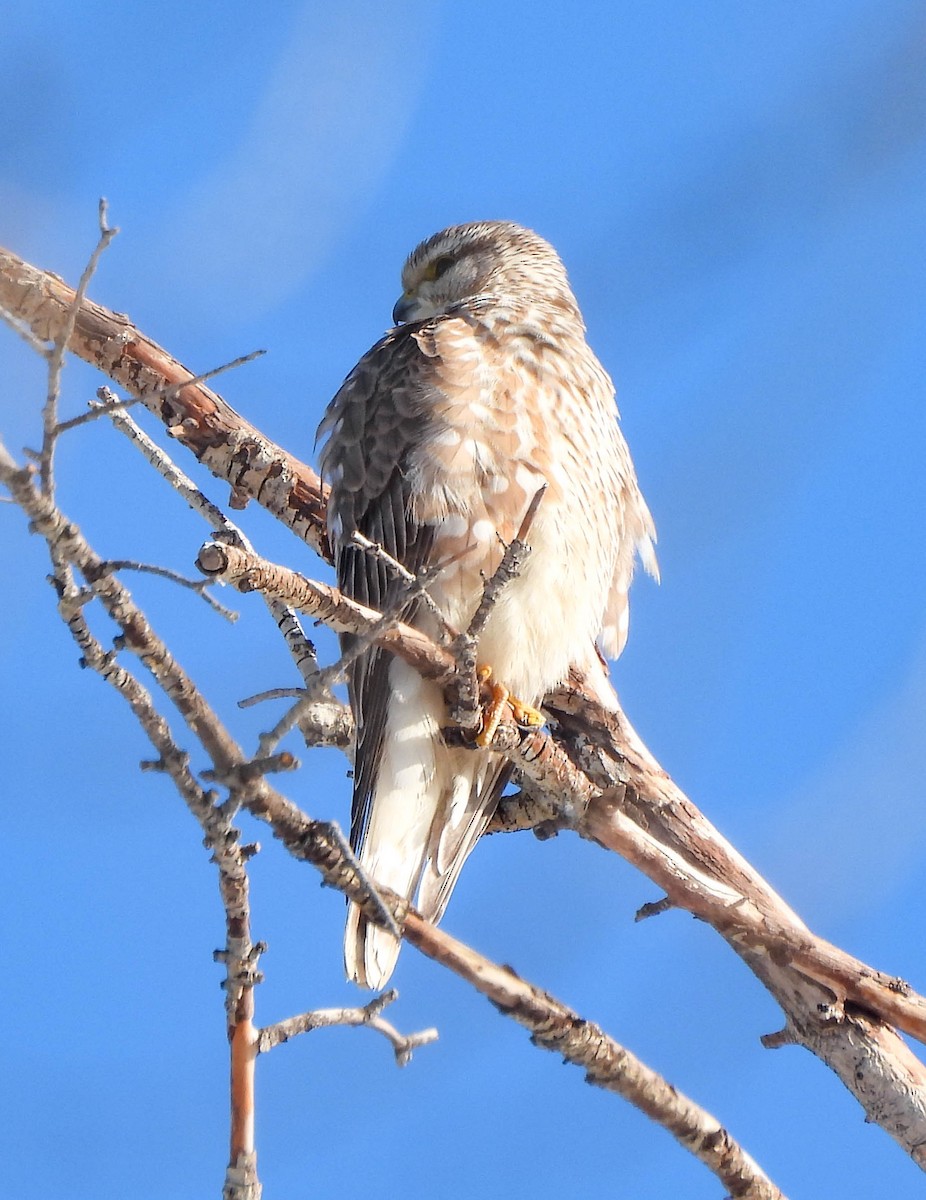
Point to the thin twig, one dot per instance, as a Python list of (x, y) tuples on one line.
[(20, 328), (113, 404), (367, 1015), (199, 586), (375, 903), (281, 693), (165, 466), (509, 568), (300, 647), (416, 585), (463, 702), (56, 357), (387, 623), (99, 410)]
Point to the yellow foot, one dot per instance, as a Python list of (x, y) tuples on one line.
[(526, 714), (492, 712)]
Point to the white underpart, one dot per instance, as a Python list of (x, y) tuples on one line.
[(547, 618), (400, 822)]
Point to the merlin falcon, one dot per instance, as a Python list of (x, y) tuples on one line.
[(438, 441)]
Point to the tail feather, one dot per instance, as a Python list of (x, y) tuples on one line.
[(405, 802), (477, 785), (430, 806), (370, 953)]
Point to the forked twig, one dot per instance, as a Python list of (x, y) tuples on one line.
[(199, 586), (56, 355), (366, 1015), (516, 554), (463, 703)]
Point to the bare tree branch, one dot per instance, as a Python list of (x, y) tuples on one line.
[(552, 1025), (61, 339), (606, 1063), (199, 586), (249, 573), (367, 1015), (300, 647), (695, 865), (197, 417), (644, 817), (591, 774)]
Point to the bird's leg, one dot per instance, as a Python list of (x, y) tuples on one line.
[(524, 714), (491, 712)]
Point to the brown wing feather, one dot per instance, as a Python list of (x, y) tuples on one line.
[(375, 422)]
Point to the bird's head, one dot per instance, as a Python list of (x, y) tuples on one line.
[(495, 258)]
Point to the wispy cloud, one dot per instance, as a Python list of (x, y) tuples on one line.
[(851, 835), (333, 114)]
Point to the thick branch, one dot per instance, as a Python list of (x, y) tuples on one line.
[(643, 816), (552, 1025), (197, 417), (606, 1063), (250, 573)]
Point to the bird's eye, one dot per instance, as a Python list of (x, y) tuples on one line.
[(442, 265)]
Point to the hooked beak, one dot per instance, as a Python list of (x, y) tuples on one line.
[(405, 308)]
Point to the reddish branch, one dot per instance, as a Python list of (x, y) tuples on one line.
[(197, 417)]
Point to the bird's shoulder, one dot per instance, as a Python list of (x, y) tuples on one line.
[(396, 383)]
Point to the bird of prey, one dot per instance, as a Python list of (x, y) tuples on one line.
[(437, 442)]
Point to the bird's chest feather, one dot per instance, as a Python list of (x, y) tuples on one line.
[(504, 422)]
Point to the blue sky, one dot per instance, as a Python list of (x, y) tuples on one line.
[(738, 193)]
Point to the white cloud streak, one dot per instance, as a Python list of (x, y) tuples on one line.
[(333, 114)]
